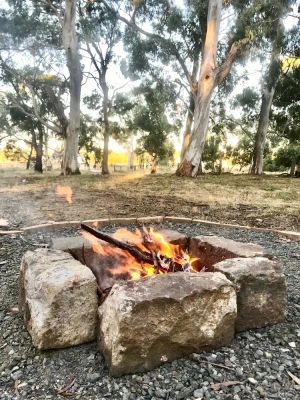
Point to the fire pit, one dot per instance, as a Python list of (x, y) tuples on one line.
[(148, 296)]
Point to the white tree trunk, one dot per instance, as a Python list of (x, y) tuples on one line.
[(190, 163), (70, 161)]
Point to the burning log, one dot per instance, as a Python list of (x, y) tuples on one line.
[(161, 262)]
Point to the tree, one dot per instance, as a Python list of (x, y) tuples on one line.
[(29, 29), (70, 42), (289, 157), (101, 33), (210, 76), (151, 121), (276, 37), (33, 101)]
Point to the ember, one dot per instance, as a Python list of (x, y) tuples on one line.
[(142, 253)]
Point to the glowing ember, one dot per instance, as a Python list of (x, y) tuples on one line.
[(166, 256), (65, 192)]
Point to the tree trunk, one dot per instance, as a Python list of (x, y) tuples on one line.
[(38, 147), (261, 134), (29, 157), (105, 170), (293, 167), (188, 127), (191, 108), (154, 165), (266, 104), (70, 161), (207, 80)]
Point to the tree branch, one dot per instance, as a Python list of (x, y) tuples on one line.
[(225, 68)]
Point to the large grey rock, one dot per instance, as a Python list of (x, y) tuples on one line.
[(69, 243), (147, 322), (261, 290), (212, 249), (58, 296)]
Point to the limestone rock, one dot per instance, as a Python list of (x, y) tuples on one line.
[(212, 249), (261, 290), (147, 322), (58, 296)]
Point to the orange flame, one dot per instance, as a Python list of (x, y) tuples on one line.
[(126, 263), (65, 192)]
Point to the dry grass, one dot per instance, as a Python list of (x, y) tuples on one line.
[(267, 201)]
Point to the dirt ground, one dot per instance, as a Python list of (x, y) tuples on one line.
[(269, 201)]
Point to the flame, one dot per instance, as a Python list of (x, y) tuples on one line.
[(147, 241), (65, 192)]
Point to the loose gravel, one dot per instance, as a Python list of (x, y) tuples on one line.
[(259, 359)]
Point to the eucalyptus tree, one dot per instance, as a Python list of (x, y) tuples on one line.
[(275, 34), (100, 35), (33, 100), (152, 120), (172, 42), (66, 13), (33, 32), (199, 66)]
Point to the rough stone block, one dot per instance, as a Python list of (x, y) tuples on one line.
[(213, 249), (261, 290), (147, 322), (69, 243), (58, 296)]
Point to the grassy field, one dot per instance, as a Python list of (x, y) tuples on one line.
[(267, 201)]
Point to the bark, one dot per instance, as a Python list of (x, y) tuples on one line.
[(105, 170), (297, 171), (70, 161), (207, 81)]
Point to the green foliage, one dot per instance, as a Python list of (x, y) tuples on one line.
[(212, 152), (151, 120), (288, 155)]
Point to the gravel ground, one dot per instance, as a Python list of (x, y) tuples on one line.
[(259, 359)]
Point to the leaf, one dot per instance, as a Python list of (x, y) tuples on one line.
[(294, 377), (218, 386)]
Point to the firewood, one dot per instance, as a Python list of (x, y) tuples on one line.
[(161, 262)]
